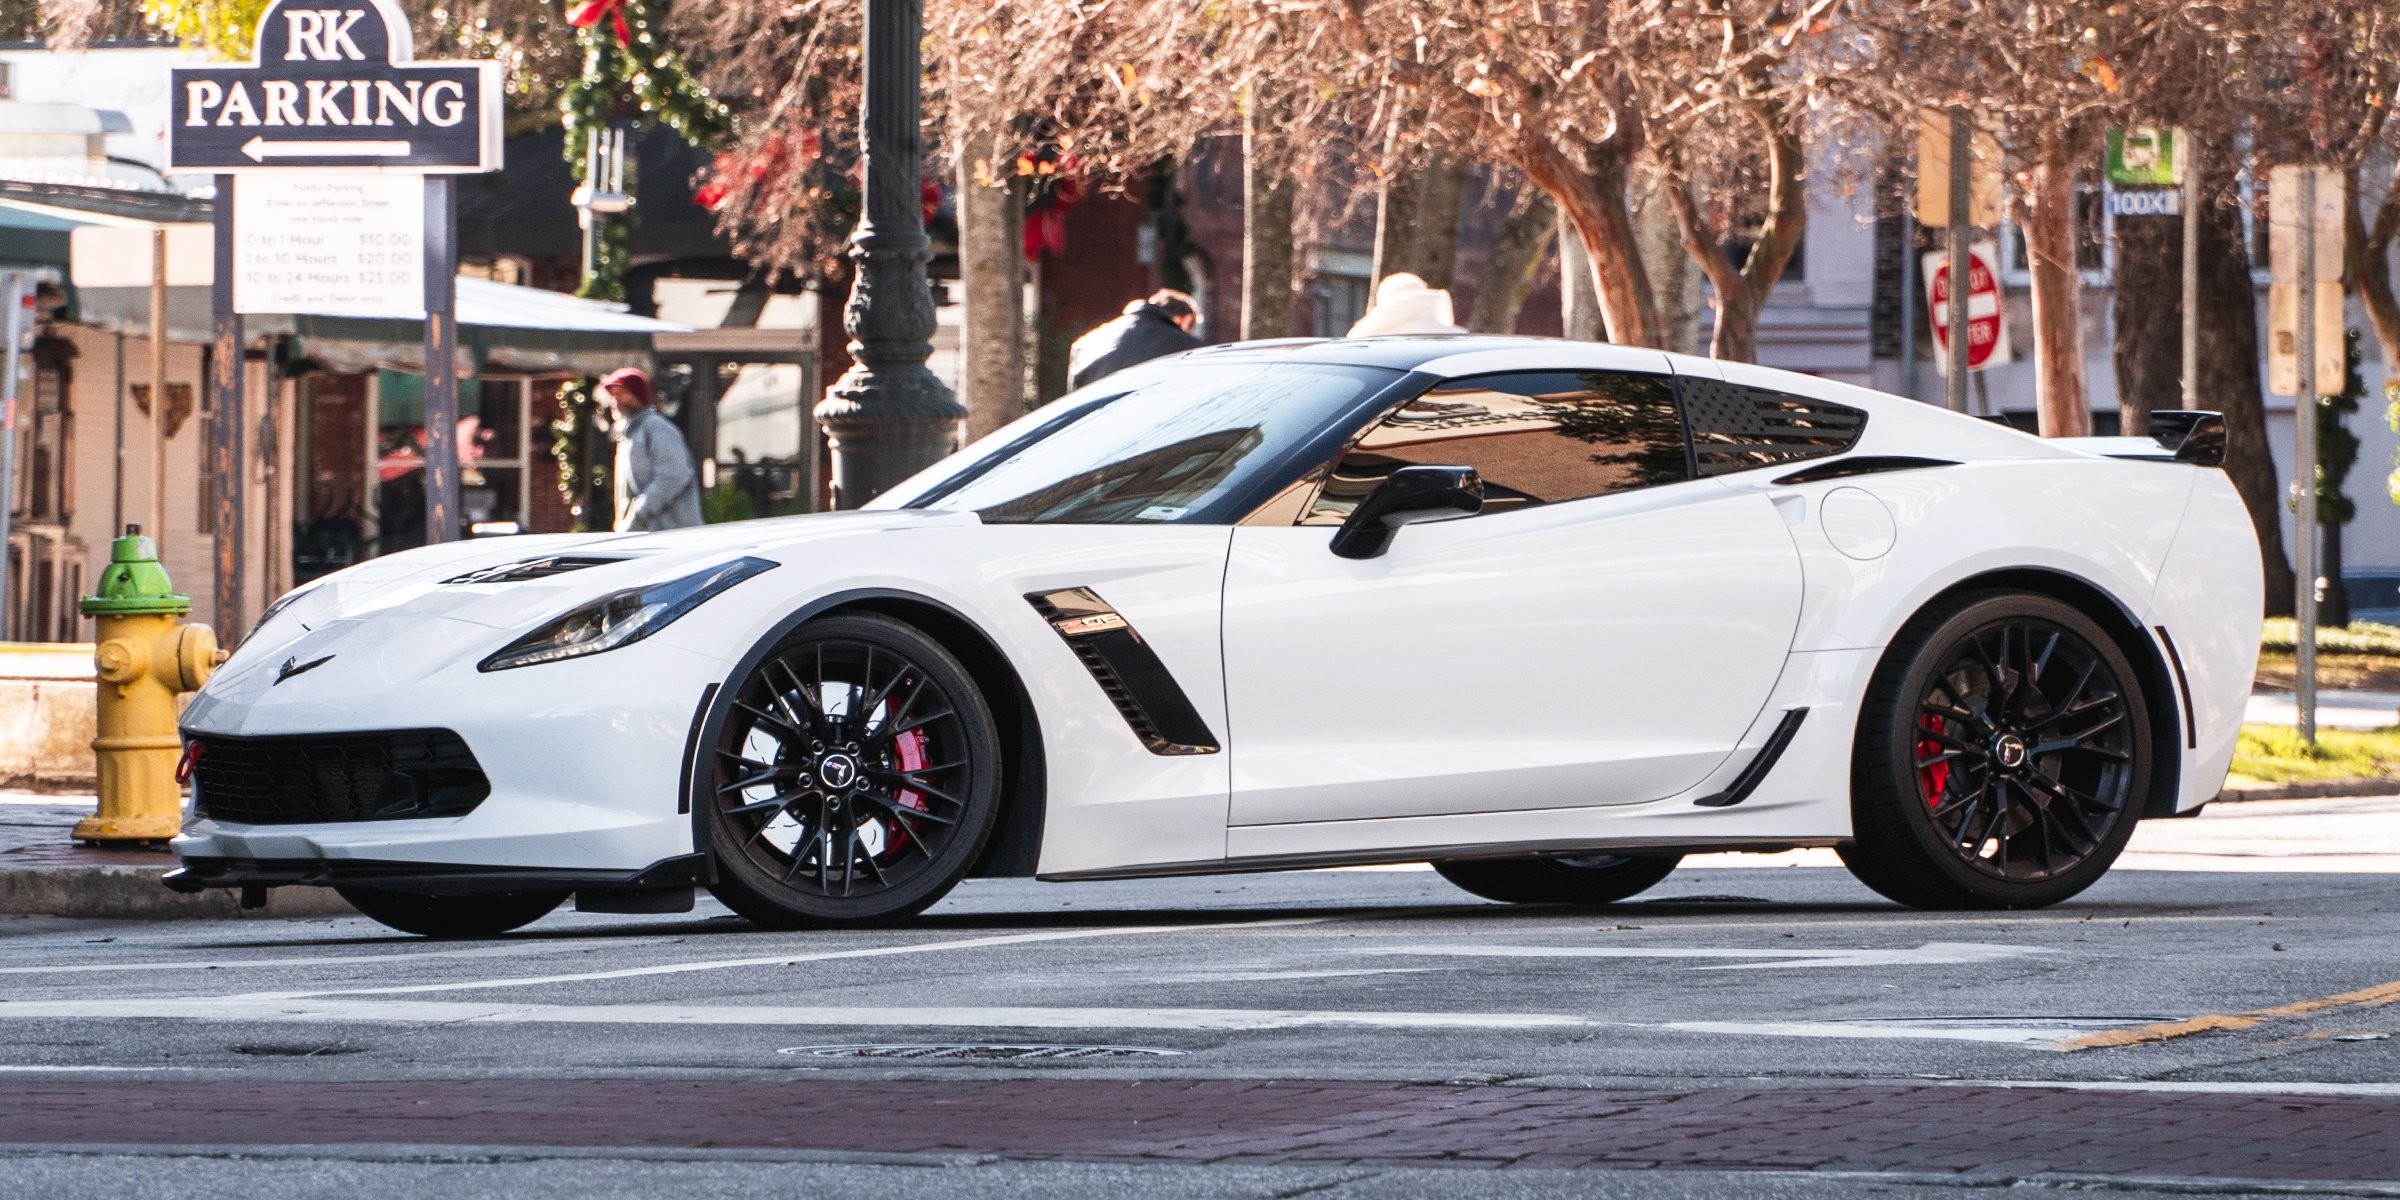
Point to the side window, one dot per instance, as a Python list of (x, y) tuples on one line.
[(1739, 428), (1536, 437)]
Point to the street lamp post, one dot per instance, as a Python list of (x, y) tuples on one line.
[(889, 416)]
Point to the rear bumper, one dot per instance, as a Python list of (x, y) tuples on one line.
[(433, 879)]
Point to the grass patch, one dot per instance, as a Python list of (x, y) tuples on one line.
[(2359, 637), (2275, 754)]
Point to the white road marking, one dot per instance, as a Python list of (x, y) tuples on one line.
[(2033, 1032), (511, 950), (772, 960), (1929, 954), (2227, 1088), (271, 1009), (1246, 976)]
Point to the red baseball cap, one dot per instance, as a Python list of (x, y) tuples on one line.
[(632, 379)]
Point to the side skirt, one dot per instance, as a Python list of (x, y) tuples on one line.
[(1418, 854)]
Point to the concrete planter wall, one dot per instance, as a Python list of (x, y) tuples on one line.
[(48, 716)]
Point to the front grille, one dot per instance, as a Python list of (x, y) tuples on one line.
[(386, 776)]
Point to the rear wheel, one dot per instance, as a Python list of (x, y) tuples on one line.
[(2002, 757), (1559, 879), (856, 780), (453, 916)]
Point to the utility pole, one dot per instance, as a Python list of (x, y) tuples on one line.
[(2304, 465), (889, 416), (1962, 181), (2187, 155)]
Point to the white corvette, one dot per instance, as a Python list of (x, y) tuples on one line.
[(1547, 614)]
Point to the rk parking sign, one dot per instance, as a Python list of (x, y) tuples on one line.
[(337, 87)]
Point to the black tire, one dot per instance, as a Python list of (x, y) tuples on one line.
[(1565, 879), (453, 916), (2002, 759), (855, 779)]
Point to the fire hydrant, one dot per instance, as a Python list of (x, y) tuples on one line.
[(146, 658)]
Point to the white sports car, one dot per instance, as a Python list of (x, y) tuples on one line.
[(1547, 614)]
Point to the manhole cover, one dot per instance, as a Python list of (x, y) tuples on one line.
[(980, 1050), (1708, 900), (317, 1051)]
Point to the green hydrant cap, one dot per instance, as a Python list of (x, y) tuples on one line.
[(134, 583)]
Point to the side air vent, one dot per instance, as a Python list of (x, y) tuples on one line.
[(1761, 763), (1865, 464), (1128, 670), (1740, 428), (532, 568)]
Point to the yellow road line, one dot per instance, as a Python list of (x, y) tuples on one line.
[(2166, 1030)]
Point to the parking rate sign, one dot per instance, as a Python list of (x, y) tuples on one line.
[(1987, 333), (336, 87)]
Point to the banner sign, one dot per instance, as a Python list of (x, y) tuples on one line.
[(336, 87)]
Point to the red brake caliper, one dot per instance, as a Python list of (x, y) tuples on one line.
[(911, 747), (1936, 777)]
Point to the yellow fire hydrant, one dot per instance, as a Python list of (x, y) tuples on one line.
[(146, 658)]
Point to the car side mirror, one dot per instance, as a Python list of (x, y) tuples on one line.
[(1406, 495)]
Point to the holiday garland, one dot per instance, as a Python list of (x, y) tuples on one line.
[(621, 51)]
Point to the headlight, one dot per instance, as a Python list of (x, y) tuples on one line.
[(621, 618)]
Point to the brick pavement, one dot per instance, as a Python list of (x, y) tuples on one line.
[(1853, 1128)]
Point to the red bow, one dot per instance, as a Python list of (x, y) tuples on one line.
[(589, 13)]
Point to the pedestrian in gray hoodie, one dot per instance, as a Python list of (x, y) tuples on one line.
[(657, 487)]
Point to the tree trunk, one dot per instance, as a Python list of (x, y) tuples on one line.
[(1743, 291), (2062, 403), (1675, 279), (1266, 226), (1396, 219), (2229, 378), (2368, 254), (1593, 201), (1441, 201), (991, 267), (2149, 317), (1578, 305), (1512, 262)]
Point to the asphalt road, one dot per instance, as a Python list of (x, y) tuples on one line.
[(2237, 1020)]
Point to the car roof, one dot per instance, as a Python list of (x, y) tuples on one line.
[(1400, 352)]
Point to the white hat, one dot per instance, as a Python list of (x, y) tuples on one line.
[(1403, 304)]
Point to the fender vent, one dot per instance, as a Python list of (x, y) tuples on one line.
[(1128, 670)]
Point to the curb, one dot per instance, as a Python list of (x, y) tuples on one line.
[(2310, 791), (128, 893)]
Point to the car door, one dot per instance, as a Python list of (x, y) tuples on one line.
[(1602, 633)]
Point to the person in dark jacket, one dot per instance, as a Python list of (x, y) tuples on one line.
[(1152, 328)]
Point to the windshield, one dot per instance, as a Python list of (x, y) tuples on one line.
[(1168, 449)]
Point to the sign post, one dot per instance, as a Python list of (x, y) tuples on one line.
[(334, 150), (1958, 189), (2304, 343), (16, 293)]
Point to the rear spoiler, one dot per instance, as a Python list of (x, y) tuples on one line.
[(2176, 435)]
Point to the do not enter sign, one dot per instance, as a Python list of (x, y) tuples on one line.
[(1987, 334)]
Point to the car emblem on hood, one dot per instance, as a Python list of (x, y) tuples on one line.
[(293, 666)]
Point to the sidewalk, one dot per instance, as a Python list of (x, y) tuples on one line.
[(43, 870), (1980, 1134), (2335, 709)]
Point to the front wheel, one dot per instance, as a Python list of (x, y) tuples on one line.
[(453, 916), (2003, 755), (856, 779), (1559, 879)]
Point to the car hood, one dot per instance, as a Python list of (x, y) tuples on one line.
[(421, 585)]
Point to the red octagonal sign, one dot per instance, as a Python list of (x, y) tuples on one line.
[(1987, 334)]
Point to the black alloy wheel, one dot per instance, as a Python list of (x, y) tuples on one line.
[(2002, 760), (855, 778), (453, 916), (1597, 878)]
